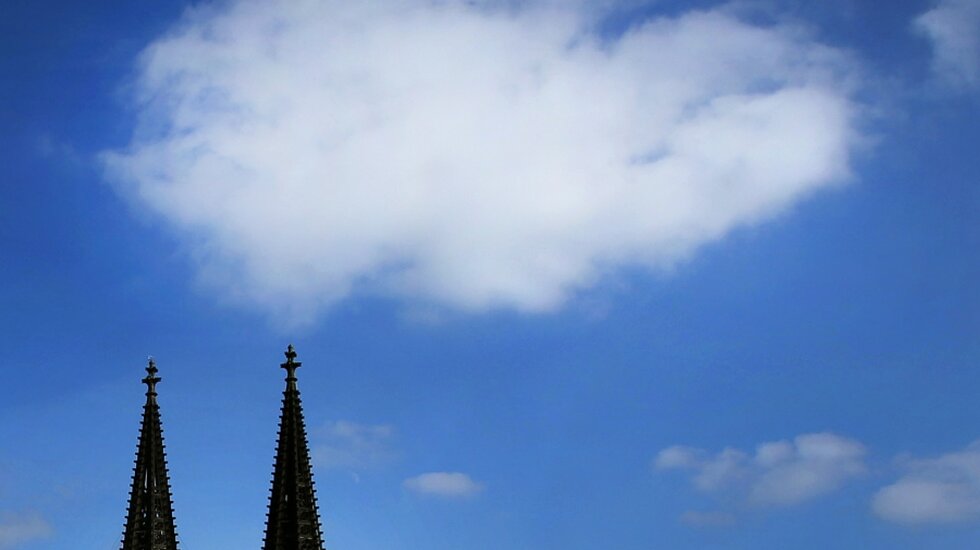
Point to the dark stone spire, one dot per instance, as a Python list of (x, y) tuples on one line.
[(293, 522), (150, 521)]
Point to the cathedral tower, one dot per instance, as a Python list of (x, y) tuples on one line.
[(150, 521), (293, 522)]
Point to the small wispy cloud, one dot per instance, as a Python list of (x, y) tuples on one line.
[(778, 473), (444, 484), (53, 149), (953, 27), (351, 445), (697, 518), (16, 530), (943, 489)]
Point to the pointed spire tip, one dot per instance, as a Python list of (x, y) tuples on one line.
[(151, 378), (291, 365)]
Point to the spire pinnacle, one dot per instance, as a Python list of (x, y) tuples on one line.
[(151, 378), (291, 365), (150, 518), (293, 521)]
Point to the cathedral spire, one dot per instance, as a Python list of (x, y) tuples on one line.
[(150, 521), (293, 522)]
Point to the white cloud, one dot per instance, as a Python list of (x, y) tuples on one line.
[(934, 490), (470, 157), (19, 529), (953, 27), (443, 484), (679, 456), (779, 473), (346, 444)]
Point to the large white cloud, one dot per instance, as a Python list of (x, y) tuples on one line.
[(467, 156), (953, 26), (778, 473), (934, 490)]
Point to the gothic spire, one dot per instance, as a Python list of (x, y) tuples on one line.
[(150, 521), (293, 522)]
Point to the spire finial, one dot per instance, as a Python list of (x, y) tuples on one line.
[(151, 377), (291, 365)]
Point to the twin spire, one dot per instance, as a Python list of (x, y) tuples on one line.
[(150, 521), (293, 522)]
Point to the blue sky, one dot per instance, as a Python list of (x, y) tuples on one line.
[(562, 275)]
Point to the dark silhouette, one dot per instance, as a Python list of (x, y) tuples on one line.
[(293, 521), (150, 521)]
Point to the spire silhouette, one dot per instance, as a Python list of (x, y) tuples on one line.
[(293, 521), (150, 520)]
